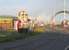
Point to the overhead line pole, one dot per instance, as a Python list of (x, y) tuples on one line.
[(64, 9)]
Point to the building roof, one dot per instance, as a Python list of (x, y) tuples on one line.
[(14, 18)]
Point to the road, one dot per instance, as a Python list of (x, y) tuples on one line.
[(44, 41)]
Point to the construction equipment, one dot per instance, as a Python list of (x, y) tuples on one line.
[(23, 22)]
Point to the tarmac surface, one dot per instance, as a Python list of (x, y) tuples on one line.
[(44, 41)]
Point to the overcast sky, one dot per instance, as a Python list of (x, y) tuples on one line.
[(44, 8)]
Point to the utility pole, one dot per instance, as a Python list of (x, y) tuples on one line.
[(64, 9)]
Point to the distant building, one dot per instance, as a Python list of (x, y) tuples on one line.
[(6, 23)]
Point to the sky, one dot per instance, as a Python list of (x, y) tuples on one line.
[(44, 8)]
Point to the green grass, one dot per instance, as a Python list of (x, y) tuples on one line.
[(13, 36)]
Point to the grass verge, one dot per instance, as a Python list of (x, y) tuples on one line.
[(13, 36)]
